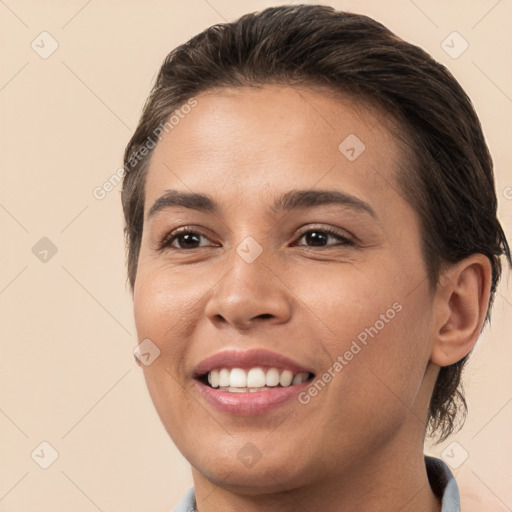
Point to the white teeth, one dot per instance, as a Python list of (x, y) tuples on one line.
[(272, 377), (255, 379), (238, 378), (286, 378), (214, 378), (224, 377), (299, 378)]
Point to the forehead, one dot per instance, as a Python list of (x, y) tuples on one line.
[(246, 142)]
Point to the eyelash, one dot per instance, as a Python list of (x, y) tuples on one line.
[(168, 239)]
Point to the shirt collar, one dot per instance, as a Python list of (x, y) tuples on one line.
[(439, 475), (443, 484)]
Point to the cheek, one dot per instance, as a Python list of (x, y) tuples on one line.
[(382, 381), (345, 301), (164, 308), (162, 312), (376, 329)]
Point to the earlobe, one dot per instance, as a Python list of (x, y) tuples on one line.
[(462, 299)]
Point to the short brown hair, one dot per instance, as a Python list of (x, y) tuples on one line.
[(449, 181)]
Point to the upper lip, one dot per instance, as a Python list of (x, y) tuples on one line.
[(247, 359)]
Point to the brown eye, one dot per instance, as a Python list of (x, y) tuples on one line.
[(187, 240), (320, 238), (182, 239)]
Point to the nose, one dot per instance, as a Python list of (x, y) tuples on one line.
[(249, 294)]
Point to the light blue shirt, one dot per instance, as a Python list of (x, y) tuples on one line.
[(438, 472)]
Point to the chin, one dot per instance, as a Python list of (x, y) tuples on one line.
[(250, 472)]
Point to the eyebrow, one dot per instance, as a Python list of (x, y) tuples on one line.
[(292, 200)]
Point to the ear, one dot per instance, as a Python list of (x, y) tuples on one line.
[(461, 302)]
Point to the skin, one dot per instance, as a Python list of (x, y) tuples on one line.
[(358, 444)]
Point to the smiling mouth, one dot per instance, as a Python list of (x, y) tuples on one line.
[(239, 380)]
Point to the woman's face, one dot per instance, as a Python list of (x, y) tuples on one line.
[(270, 279)]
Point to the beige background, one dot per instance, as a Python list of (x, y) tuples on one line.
[(67, 375)]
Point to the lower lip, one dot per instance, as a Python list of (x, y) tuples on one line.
[(247, 404)]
